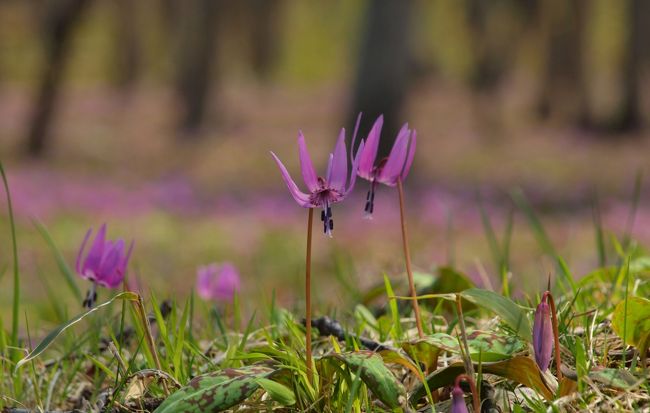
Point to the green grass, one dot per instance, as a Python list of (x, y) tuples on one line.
[(124, 357)]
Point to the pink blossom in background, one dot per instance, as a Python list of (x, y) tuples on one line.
[(218, 282)]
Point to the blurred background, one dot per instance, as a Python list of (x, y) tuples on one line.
[(157, 117)]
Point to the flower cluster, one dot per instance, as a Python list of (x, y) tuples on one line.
[(324, 191)]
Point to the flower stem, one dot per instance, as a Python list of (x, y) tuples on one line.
[(407, 257), (310, 373), (475, 396), (556, 336)]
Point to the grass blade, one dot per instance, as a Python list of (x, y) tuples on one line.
[(47, 341), (16, 293)]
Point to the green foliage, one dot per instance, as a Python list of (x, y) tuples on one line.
[(631, 321), (508, 310), (216, 391)]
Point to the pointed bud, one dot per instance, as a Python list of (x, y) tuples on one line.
[(458, 400), (543, 334)]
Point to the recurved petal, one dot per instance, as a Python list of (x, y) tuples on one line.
[(355, 166), (306, 166), (410, 156), (367, 161), (81, 251), (339, 173), (94, 257), (392, 171), (300, 197)]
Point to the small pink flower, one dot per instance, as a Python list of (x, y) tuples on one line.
[(388, 170), (106, 261), (322, 191), (218, 282)]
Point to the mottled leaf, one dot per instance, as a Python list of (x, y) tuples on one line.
[(215, 392), (374, 373), (615, 378), (483, 345), (508, 310), (520, 369)]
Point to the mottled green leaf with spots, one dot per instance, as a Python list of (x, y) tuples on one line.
[(483, 345), (215, 392)]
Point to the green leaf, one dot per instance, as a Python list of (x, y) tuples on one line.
[(483, 345), (520, 369), (374, 373), (43, 345), (615, 378), (278, 392), (217, 391), (632, 321), (508, 310)]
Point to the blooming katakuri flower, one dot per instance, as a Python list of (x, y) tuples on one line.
[(105, 264), (218, 282), (543, 334), (327, 190), (391, 169)]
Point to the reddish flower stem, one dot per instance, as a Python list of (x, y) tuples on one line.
[(407, 257), (310, 373), (556, 334), (475, 397)]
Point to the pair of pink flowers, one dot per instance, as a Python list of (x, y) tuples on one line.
[(106, 261), (324, 191)]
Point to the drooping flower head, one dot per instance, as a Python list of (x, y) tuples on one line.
[(458, 397), (543, 334), (218, 282), (388, 170), (323, 191), (104, 264)]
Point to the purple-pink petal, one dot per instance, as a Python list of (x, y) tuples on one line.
[(81, 250), (355, 166), (306, 166), (397, 158), (411, 155), (94, 257), (107, 274), (458, 400), (339, 171), (543, 335), (367, 161), (300, 197)]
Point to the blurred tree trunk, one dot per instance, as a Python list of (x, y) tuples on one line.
[(562, 89), (264, 29), (60, 19), (382, 79), (195, 58), (625, 115), (127, 47)]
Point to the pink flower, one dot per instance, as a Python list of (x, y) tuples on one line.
[(106, 261), (388, 170), (322, 191), (217, 282)]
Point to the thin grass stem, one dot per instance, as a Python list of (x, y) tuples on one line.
[(556, 335)]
